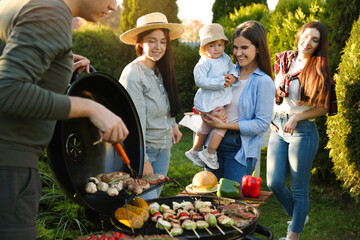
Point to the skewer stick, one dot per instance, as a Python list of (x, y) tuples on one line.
[(238, 229), (208, 230), (168, 232), (127, 214), (220, 229), (196, 233)]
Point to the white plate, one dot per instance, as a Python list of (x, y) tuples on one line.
[(190, 188)]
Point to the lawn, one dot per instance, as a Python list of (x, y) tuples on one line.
[(331, 217)]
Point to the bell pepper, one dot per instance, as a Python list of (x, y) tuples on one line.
[(251, 185), (228, 188)]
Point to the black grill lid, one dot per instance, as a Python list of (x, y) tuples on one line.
[(74, 158)]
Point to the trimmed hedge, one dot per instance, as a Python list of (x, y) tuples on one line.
[(255, 11), (108, 54), (104, 49), (343, 129)]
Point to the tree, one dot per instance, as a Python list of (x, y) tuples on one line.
[(343, 129), (285, 6), (192, 32), (224, 7), (112, 20), (285, 23), (133, 9), (339, 19)]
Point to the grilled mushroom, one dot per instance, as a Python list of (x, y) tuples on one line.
[(90, 187), (103, 187), (112, 191), (94, 180)]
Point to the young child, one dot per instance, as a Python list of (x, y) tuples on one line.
[(214, 74)]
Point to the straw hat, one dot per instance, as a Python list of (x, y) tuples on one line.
[(212, 32), (150, 21)]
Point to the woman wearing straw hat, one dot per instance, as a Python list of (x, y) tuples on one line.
[(214, 75), (150, 80)]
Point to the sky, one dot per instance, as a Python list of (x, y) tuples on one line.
[(202, 9)]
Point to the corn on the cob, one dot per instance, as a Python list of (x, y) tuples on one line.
[(141, 203), (139, 211), (135, 220)]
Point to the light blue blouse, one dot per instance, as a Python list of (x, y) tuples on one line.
[(209, 77), (255, 112)]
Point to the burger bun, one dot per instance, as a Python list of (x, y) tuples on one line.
[(204, 181)]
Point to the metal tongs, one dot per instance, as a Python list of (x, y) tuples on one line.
[(124, 158)]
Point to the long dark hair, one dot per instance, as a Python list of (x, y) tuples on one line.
[(256, 34), (167, 70), (315, 77)]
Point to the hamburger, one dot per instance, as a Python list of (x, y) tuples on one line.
[(204, 181)]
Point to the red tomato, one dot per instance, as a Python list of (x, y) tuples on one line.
[(183, 214), (215, 211), (111, 238), (156, 213), (121, 235), (92, 237)]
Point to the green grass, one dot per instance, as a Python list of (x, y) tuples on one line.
[(331, 217)]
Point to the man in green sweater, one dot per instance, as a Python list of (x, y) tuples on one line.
[(36, 64)]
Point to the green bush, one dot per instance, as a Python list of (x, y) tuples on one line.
[(285, 6), (339, 26), (343, 129), (282, 27), (185, 59), (222, 8), (59, 217), (255, 11), (104, 49), (108, 54)]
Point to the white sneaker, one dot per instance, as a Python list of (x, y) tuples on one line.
[(209, 159), (193, 156), (289, 224), (289, 227)]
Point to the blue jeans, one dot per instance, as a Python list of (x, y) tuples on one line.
[(296, 154), (228, 167), (159, 159)]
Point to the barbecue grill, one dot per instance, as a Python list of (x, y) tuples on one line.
[(74, 158)]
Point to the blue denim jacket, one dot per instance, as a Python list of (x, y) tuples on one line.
[(255, 112)]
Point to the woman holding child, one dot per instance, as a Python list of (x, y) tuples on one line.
[(252, 100)]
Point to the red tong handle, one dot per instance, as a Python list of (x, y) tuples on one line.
[(120, 151)]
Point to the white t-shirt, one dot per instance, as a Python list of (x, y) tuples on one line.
[(290, 103), (232, 108)]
